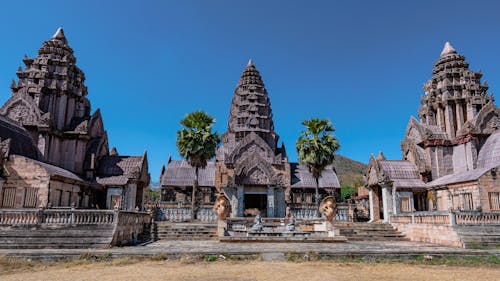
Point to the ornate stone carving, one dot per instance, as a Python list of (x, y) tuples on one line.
[(328, 208), (222, 207)]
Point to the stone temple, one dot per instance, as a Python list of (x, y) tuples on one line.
[(250, 168), (451, 156), (54, 151)]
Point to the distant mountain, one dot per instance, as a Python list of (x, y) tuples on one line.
[(350, 172), (154, 184)]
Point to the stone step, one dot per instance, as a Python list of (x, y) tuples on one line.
[(186, 231)]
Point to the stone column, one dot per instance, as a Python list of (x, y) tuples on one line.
[(240, 193), (370, 200), (440, 118), (394, 201), (270, 201), (470, 111), (449, 121), (385, 203), (460, 115)]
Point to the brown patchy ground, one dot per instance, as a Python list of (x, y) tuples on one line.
[(247, 270)]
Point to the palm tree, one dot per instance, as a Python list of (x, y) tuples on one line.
[(197, 144), (316, 147)]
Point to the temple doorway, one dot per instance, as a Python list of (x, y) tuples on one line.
[(254, 203)]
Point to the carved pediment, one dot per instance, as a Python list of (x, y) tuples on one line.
[(252, 144), (22, 109)]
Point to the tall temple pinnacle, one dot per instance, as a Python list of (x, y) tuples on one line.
[(59, 35), (251, 109), (447, 49)]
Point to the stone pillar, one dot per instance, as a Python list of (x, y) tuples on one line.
[(440, 118), (394, 201), (386, 199), (270, 202), (374, 204), (460, 115), (370, 200), (470, 111), (240, 194), (449, 121)]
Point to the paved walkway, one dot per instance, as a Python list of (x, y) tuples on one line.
[(182, 248)]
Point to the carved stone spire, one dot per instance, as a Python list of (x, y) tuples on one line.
[(453, 95), (55, 83), (251, 109), (59, 35), (447, 49)]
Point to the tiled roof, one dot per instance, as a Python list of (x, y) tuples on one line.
[(402, 173), (459, 177), (180, 173), (21, 142), (301, 177), (54, 170), (117, 170), (489, 155)]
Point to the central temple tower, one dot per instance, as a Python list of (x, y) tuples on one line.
[(250, 167)]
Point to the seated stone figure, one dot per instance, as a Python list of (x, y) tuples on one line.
[(251, 212), (328, 207), (290, 226), (222, 207), (257, 223)]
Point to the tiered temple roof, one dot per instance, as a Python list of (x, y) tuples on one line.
[(251, 109)]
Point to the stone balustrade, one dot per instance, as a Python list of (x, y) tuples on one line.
[(181, 212), (477, 218), (20, 217), (125, 227), (437, 218), (448, 218), (345, 211), (56, 216)]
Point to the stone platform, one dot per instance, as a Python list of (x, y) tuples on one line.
[(177, 249)]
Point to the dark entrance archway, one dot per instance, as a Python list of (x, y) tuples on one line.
[(255, 202)]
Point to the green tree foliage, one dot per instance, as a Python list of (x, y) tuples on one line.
[(316, 148), (346, 192), (154, 195), (197, 144)]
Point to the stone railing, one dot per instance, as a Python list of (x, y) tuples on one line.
[(181, 212), (56, 216), (477, 218), (439, 218), (345, 211), (126, 227), (448, 218), (132, 228)]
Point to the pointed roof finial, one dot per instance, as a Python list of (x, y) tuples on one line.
[(380, 156), (447, 49), (250, 63), (59, 35), (113, 152)]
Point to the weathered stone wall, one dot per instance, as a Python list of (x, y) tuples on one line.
[(489, 182), (22, 174), (70, 228), (436, 234)]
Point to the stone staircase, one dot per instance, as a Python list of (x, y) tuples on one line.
[(186, 231), (361, 231), (58, 236), (479, 236)]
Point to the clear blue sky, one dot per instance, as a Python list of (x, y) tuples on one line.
[(361, 64)]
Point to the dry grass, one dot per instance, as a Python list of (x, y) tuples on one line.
[(204, 269)]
